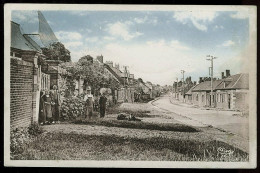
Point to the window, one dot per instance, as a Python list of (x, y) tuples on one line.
[(202, 97), (197, 97)]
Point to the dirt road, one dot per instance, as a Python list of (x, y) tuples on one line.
[(224, 120)]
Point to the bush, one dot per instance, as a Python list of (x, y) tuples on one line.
[(71, 108), (34, 129), (20, 137)]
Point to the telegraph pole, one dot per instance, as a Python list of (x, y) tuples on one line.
[(125, 75), (182, 71), (211, 58), (176, 89)]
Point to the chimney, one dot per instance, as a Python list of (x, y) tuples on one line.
[(222, 75), (117, 66), (227, 73), (100, 58), (200, 80)]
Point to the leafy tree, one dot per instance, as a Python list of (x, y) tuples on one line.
[(57, 51), (92, 73)]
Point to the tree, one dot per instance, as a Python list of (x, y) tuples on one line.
[(57, 51), (92, 73), (140, 80)]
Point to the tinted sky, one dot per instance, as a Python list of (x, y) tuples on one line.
[(155, 46)]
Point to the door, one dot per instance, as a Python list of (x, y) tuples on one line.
[(229, 98)]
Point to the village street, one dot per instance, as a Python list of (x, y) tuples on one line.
[(229, 121)]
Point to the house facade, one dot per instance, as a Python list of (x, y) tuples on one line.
[(233, 92), (25, 79), (201, 93)]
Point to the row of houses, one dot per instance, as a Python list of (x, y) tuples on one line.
[(131, 89), (229, 93)]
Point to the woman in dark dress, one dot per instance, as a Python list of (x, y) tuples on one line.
[(102, 105), (48, 109), (42, 115)]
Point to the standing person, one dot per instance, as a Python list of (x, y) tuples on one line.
[(42, 112), (102, 105), (89, 102), (47, 105), (56, 105)]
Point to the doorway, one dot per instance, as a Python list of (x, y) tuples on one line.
[(229, 99)]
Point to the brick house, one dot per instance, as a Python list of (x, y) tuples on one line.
[(25, 79), (232, 93)]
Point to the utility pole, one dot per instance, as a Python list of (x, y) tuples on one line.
[(125, 75), (176, 90), (211, 58), (182, 71)]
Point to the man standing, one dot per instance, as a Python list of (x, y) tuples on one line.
[(89, 101), (56, 106), (102, 105)]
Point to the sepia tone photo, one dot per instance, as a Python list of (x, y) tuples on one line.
[(130, 86)]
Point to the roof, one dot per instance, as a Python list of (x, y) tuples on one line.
[(189, 92), (46, 34), (35, 45), (206, 86), (144, 84), (18, 41), (114, 73), (238, 81), (117, 71), (36, 39)]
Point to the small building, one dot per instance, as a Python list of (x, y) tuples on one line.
[(233, 92), (201, 93), (188, 96)]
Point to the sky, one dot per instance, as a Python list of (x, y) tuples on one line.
[(155, 45)]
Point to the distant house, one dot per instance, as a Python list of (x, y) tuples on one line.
[(232, 93), (188, 95), (145, 88), (112, 72), (201, 93)]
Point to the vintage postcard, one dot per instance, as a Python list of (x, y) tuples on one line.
[(130, 86)]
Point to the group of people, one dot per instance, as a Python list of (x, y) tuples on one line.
[(89, 104), (49, 106)]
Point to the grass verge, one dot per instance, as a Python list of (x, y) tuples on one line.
[(60, 146), (138, 125)]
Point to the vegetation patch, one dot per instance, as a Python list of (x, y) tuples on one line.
[(138, 125), (60, 146), (21, 137)]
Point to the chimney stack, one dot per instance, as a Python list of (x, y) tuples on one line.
[(222, 75), (117, 66), (227, 73), (200, 80), (100, 58)]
